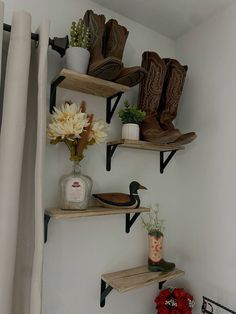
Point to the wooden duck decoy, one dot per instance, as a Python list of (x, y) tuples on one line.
[(121, 200)]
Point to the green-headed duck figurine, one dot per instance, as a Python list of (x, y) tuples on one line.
[(121, 200)]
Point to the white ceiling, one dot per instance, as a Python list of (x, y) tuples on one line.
[(171, 18)]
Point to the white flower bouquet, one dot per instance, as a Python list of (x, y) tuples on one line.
[(71, 125)]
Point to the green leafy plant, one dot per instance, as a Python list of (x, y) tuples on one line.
[(152, 223), (79, 35), (131, 114)]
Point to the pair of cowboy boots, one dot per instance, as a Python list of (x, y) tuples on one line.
[(159, 96), (107, 45)]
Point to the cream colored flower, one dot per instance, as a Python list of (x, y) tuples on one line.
[(67, 122), (98, 132)]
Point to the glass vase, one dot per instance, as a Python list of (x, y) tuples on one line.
[(75, 189)]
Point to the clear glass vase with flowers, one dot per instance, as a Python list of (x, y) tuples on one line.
[(70, 124)]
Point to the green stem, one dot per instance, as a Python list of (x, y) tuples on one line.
[(72, 146)]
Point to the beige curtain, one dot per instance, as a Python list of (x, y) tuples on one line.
[(22, 143)]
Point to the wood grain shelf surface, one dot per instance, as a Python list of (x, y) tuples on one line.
[(145, 145), (133, 278), (90, 85), (58, 213)]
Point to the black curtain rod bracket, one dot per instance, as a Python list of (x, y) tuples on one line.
[(59, 44)]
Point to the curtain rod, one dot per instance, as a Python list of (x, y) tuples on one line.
[(59, 44)]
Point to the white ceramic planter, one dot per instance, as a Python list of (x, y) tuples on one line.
[(130, 131), (77, 59)]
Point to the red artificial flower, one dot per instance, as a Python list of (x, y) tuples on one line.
[(162, 297), (178, 293), (165, 293), (163, 310), (182, 303), (160, 301), (189, 297), (175, 311), (187, 311), (174, 301)]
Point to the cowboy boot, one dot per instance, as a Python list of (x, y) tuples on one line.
[(172, 90), (115, 39), (150, 90), (105, 68), (156, 261)]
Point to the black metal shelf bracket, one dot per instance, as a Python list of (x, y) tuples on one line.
[(111, 148), (53, 92), (130, 221), (105, 290), (161, 284), (59, 44), (110, 152), (164, 163), (46, 221), (110, 109)]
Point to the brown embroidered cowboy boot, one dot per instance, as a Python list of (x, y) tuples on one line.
[(115, 39), (172, 90), (105, 68), (150, 90)]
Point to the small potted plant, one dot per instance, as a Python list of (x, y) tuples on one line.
[(155, 228), (77, 55), (131, 117)]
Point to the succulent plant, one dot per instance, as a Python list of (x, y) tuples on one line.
[(131, 114), (79, 34)]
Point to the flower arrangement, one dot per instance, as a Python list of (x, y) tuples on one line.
[(152, 223), (174, 301), (70, 124), (131, 114), (79, 35)]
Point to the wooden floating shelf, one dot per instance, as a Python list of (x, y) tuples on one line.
[(92, 211), (126, 280), (129, 279), (90, 85), (162, 148), (145, 145), (58, 213)]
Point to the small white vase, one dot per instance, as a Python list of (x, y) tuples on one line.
[(77, 59), (130, 131)]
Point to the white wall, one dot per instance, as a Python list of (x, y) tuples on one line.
[(79, 251), (205, 206), (196, 193)]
